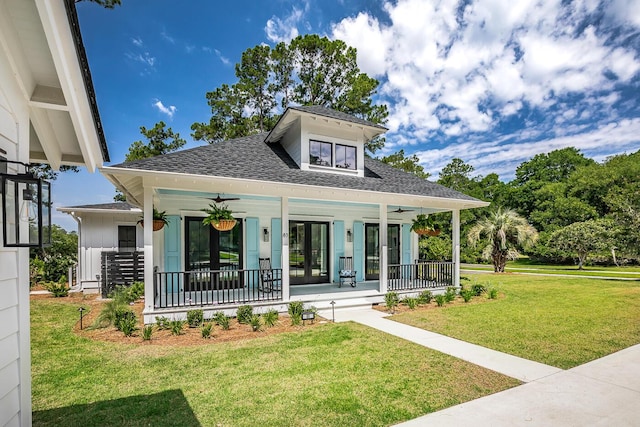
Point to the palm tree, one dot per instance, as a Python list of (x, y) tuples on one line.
[(504, 231)]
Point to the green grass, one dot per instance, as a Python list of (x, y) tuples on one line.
[(330, 375), (526, 266), (563, 322)]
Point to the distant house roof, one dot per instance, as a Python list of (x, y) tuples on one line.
[(113, 206), (252, 158)]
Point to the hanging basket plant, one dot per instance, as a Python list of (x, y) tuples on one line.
[(159, 219), (219, 217), (424, 226)]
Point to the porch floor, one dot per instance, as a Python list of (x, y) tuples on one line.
[(371, 286)]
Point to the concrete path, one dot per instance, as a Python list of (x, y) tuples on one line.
[(604, 392)]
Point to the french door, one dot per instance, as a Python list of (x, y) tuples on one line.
[(372, 248), (308, 252)]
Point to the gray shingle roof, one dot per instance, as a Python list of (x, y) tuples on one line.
[(114, 206), (328, 112), (251, 158)]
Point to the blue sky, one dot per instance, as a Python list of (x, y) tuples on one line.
[(493, 82)]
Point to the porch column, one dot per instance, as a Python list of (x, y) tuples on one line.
[(148, 248), (284, 215), (383, 248), (455, 240)]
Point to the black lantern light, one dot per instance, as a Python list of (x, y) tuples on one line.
[(26, 207)]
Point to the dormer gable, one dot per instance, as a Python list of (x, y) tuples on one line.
[(320, 139)]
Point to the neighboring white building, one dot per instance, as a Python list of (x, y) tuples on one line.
[(48, 114)]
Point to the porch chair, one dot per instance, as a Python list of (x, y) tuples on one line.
[(347, 273), (268, 281)]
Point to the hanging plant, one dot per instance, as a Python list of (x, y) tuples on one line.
[(423, 225), (159, 219), (220, 217)]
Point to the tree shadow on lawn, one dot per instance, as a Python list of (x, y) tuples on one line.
[(167, 408)]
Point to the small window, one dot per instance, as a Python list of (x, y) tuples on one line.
[(345, 157), (320, 153), (126, 238)]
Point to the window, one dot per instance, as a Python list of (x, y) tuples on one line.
[(345, 157), (126, 238), (320, 153)]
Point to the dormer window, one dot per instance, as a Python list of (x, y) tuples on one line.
[(322, 154)]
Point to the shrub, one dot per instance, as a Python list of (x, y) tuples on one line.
[(125, 321), (57, 289), (36, 271), (295, 309), (206, 330), (391, 301), (270, 317), (255, 322), (478, 289), (163, 322), (244, 314), (221, 319), (147, 331), (425, 297), (450, 294), (195, 318), (411, 302), (466, 294), (492, 293), (136, 290), (176, 326), (107, 316), (440, 299)]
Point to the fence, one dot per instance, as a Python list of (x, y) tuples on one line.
[(120, 268)]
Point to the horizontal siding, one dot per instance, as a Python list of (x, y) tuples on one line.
[(8, 261), (9, 292), (9, 378), (9, 407), (8, 321), (9, 353)]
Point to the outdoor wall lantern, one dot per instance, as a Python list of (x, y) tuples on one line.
[(265, 234), (349, 235), (26, 207)]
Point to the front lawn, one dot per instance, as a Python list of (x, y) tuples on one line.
[(559, 321), (330, 375)]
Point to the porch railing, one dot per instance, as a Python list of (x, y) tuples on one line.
[(421, 275), (215, 287)]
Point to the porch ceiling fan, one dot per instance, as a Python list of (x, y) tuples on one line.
[(222, 199), (400, 210)]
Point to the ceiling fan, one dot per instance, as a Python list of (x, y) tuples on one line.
[(222, 199), (400, 210)]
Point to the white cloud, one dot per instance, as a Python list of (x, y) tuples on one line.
[(285, 29), (221, 57), (137, 41), (169, 111), (144, 58), (167, 37)]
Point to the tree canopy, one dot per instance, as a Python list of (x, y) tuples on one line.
[(159, 141)]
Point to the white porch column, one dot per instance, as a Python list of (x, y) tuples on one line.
[(383, 248), (284, 215), (455, 240), (148, 247)]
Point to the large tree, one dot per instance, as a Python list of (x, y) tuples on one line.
[(410, 164), (504, 232), (583, 238), (310, 70)]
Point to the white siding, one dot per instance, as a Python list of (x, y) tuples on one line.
[(291, 143)]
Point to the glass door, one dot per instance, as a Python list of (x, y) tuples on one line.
[(308, 252), (372, 248)]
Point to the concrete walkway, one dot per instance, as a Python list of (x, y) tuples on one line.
[(604, 392)]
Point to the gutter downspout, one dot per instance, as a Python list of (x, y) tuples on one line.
[(79, 267)]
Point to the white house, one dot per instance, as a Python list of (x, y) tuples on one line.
[(305, 196), (48, 114)]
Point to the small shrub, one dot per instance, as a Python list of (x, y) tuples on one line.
[(466, 294), (57, 289), (125, 321), (295, 310), (478, 289), (107, 316), (176, 327), (440, 299), (147, 331), (195, 318), (425, 297), (391, 301), (270, 317), (450, 294), (136, 290), (163, 322), (206, 330), (255, 322), (221, 319), (492, 293), (244, 314), (411, 302)]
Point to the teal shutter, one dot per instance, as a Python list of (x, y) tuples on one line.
[(276, 243), (172, 256), (358, 249), (406, 243), (338, 246), (252, 230)]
